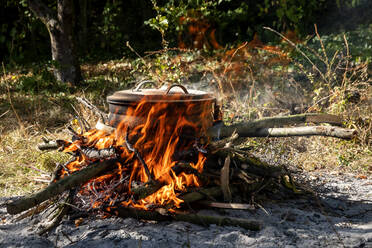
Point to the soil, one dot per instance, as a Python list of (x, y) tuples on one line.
[(340, 216)]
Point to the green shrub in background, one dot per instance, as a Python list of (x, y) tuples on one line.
[(236, 20), (104, 27)]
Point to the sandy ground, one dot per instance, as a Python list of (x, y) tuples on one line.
[(344, 220)]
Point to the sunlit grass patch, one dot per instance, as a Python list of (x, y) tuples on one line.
[(21, 163)]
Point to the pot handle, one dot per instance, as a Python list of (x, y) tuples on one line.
[(138, 87), (176, 85)]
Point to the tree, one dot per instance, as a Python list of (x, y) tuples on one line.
[(60, 26)]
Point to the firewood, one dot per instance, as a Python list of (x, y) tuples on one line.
[(52, 145), (188, 169), (95, 154), (58, 187), (225, 180), (216, 145), (199, 219), (146, 189), (206, 193), (210, 193), (257, 128), (61, 212), (330, 131), (138, 155), (241, 206), (251, 164)]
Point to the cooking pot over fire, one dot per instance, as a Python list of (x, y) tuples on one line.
[(135, 105)]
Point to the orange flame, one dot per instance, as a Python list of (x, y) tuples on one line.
[(157, 130)]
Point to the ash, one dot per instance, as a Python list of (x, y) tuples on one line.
[(343, 220)]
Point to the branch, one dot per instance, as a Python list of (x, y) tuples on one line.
[(93, 108), (330, 131), (60, 186), (250, 127), (198, 219)]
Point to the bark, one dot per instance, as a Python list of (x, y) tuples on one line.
[(198, 219), (201, 194), (225, 180), (61, 31), (146, 189), (58, 187), (330, 131), (241, 206), (247, 129), (253, 165), (83, 25)]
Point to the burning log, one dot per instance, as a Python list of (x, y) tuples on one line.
[(98, 154), (141, 192), (58, 187)]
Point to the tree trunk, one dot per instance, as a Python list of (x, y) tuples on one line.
[(83, 25), (61, 30)]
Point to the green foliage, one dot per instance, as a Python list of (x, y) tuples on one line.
[(40, 79), (235, 20), (22, 35)]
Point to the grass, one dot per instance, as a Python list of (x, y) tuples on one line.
[(250, 82)]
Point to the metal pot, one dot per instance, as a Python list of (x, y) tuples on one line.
[(176, 96)]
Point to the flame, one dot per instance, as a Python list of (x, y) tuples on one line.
[(158, 131)]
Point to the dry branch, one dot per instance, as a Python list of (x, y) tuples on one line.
[(93, 108), (62, 211), (241, 206), (198, 219), (248, 129), (201, 194), (330, 131), (58, 187), (225, 180), (251, 164), (52, 145)]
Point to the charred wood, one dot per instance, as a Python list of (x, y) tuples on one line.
[(97, 154), (58, 187), (146, 189), (138, 155), (61, 212)]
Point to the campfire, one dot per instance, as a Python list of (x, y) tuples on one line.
[(159, 143), (160, 150)]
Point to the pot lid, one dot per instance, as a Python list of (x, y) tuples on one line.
[(173, 93)]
